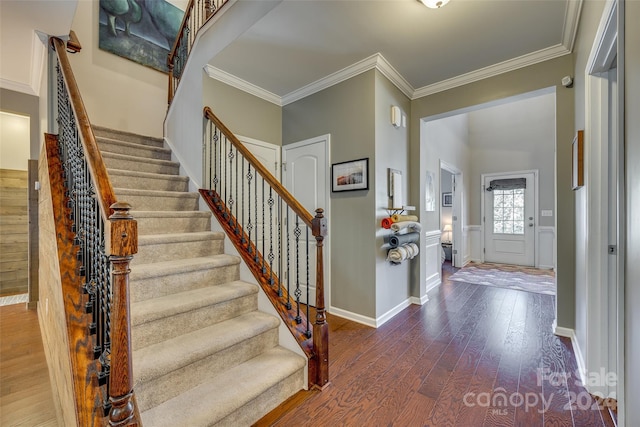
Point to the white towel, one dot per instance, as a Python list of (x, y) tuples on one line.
[(404, 252), (413, 225)]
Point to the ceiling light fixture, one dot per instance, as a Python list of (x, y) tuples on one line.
[(434, 4)]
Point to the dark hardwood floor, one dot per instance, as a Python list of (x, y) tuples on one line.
[(472, 356), (26, 398)]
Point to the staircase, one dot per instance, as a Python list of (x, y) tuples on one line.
[(203, 354)]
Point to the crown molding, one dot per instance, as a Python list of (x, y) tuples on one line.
[(493, 70), (238, 83), (17, 86), (571, 20), (375, 61), (379, 62)]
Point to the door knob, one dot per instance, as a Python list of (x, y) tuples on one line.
[(530, 224)]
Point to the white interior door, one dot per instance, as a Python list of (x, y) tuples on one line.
[(305, 175), (254, 214), (509, 220)]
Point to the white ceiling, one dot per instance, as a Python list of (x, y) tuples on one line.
[(21, 51), (302, 41)]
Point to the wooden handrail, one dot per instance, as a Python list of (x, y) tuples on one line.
[(287, 197), (104, 189), (185, 19)]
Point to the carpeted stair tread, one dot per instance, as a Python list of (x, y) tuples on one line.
[(154, 239), (148, 175), (170, 214), (115, 160), (170, 305), (205, 405), (155, 193), (134, 149), (179, 266), (104, 132), (166, 356)]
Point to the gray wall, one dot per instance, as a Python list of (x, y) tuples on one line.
[(27, 105), (346, 111), (632, 139), (392, 151), (539, 76), (244, 114)]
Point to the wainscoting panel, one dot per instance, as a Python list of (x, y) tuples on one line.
[(433, 259), (546, 255), (473, 243)]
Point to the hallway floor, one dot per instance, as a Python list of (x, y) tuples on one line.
[(472, 356), (26, 399)]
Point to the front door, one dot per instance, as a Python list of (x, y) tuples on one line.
[(509, 218), (305, 175)]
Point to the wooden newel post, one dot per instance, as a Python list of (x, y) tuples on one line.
[(320, 327), (124, 243)]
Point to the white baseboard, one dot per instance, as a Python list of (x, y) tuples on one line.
[(365, 320), (419, 301), (432, 283), (369, 321), (571, 334)]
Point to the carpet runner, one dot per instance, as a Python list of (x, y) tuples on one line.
[(508, 276)]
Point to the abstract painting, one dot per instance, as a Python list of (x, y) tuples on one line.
[(140, 30)]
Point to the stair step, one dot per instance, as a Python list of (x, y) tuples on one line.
[(162, 318), (158, 222), (156, 248), (155, 280), (104, 132), (133, 149), (171, 367), (142, 164), (205, 405), (147, 181), (150, 200)]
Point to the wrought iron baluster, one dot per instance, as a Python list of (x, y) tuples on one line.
[(237, 178), (279, 246), (298, 293), (271, 256), (288, 228), (255, 212), (263, 226), (229, 176), (242, 224), (308, 333), (249, 223)]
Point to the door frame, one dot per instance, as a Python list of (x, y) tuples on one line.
[(458, 247), (603, 321), (326, 141), (536, 201)]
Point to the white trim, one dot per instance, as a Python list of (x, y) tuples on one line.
[(432, 238), (375, 61), (605, 41), (38, 52), (243, 85), (355, 317), (540, 231), (493, 70), (381, 320), (571, 20), (419, 301), (473, 231), (17, 86), (570, 333)]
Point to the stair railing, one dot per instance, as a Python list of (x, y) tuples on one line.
[(274, 235), (105, 239), (197, 13)]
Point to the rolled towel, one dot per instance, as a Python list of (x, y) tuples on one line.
[(403, 239), (414, 249), (401, 218), (386, 223), (411, 225), (397, 255)]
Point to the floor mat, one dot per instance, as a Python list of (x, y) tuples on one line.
[(508, 276)]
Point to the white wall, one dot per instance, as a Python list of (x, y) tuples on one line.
[(14, 141)]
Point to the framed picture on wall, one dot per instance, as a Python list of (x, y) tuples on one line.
[(350, 176), (447, 199)]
